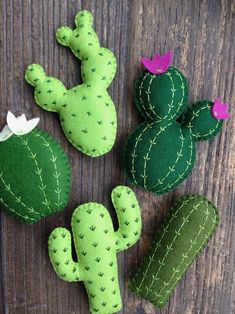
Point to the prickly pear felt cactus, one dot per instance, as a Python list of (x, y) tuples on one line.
[(34, 171), (186, 231), (96, 245), (160, 152), (87, 112)]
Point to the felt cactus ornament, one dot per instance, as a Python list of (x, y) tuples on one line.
[(160, 152), (96, 245), (34, 171), (186, 231), (87, 112)]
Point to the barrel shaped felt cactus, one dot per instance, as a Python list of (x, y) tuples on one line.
[(160, 152), (96, 245), (186, 231), (34, 176), (87, 112)]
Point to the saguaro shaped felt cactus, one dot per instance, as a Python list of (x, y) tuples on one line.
[(87, 112), (186, 231), (96, 245), (160, 152), (34, 172)]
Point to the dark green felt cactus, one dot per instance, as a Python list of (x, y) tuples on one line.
[(160, 152), (96, 245), (87, 112), (186, 231), (34, 176)]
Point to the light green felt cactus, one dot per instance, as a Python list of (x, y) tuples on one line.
[(87, 112), (186, 231), (96, 245)]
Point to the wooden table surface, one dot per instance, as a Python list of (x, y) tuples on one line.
[(202, 36)]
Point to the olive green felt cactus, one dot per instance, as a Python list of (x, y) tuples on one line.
[(34, 174), (160, 152), (87, 112), (186, 231), (96, 245)]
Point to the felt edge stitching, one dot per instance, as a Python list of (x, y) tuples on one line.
[(198, 135), (88, 152), (175, 238), (18, 199), (164, 229), (52, 257), (156, 241), (23, 217), (134, 200), (184, 256)]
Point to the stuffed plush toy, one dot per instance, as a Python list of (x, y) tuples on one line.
[(87, 112), (186, 231), (34, 171), (96, 245), (160, 152)]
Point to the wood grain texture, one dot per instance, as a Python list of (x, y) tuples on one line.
[(201, 32)]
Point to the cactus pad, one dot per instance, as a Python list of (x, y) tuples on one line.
[(87, 112), (34, 176), (160, 152), (96, 245), (186, 231)]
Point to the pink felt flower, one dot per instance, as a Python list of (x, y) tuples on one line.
[(159, 64), (219, 110)]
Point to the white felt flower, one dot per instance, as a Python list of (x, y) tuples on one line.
[(17, 125)]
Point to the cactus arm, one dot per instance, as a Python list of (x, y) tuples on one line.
[(59, 245), (200, 122), (129, 217), (98, 63), (50, 93)]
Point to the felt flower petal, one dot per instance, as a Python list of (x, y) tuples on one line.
[(5, 133), (20, 126), (159, 64), (219, 110)]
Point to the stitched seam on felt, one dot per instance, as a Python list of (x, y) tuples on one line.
[(148, 92), (89, 152), (57, 174), (185, 255), (17, 198), (152, 142), (38, 172), (180, 104), (181, 176), (138, 139), (171, 168), (190, 126), (15, 212), (176, 236), (140, 95), (159, 242)]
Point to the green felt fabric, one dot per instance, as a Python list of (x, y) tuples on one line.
[(185, 232), (34, 176), (96, 244), (160, 152), (87, 112)]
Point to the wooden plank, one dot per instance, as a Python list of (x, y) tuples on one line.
[(200, 32)]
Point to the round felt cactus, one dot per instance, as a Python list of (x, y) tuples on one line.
[(160, 152), (34, 176), (87, 112), (184, 234), (96, 245)]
